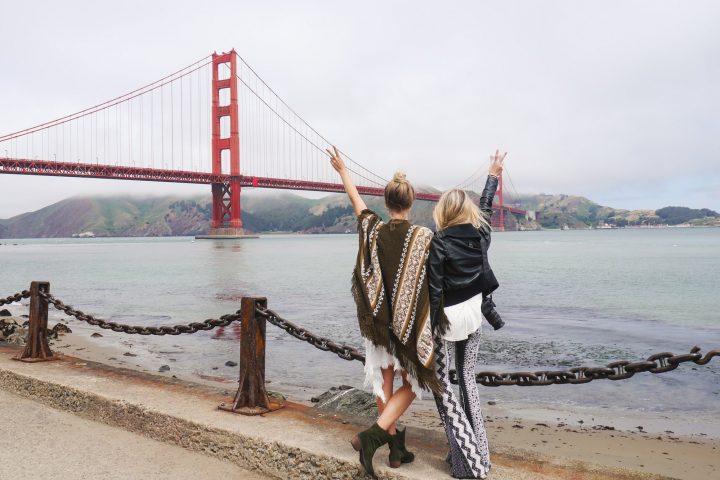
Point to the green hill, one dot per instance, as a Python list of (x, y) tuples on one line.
[(107, 216), (557, 211), (267, 212), (115, 216)]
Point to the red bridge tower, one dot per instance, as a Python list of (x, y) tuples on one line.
[(226, 219)]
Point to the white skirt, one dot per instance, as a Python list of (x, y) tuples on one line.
[(465, 318), (377, 358)]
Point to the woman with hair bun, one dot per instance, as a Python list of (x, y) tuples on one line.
[(461, 283), (390, 289)]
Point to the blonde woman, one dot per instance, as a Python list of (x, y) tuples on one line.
[(391, 293), (460, 283)]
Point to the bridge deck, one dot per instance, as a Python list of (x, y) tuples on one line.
[(86, 170)]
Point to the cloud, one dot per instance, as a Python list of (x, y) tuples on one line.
[(590, 98)]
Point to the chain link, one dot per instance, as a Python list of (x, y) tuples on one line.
[(15, 298), (342, 350), (208, 324), (620, 370)]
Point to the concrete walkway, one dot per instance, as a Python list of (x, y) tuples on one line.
[(296, 442), (40, 442)]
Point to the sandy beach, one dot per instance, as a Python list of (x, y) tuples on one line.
[(665, 447)]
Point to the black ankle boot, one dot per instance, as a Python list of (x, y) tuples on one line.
[(367, 442), (398, 453)]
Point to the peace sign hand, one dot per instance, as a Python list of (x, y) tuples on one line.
[(496, 163), (336, 160)]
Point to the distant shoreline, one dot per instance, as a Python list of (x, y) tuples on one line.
[(310, 234)]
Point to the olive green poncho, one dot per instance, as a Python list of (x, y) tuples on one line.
[(390, 288)]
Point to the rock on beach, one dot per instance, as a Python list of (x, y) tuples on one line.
[(13, 330), (349, 400)]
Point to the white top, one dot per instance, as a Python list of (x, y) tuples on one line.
[(465, 318)]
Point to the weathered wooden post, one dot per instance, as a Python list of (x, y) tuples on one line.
[(37, 348), (251, 397)]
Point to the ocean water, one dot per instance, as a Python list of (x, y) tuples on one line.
[(568, 298)]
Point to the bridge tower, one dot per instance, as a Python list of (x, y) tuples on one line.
[(499, 194), (226, 219)]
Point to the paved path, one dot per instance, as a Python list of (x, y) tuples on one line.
[(297, 442), (40, 442)]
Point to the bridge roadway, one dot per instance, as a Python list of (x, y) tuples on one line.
[(89, 170)]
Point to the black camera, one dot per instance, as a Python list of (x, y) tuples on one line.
[(490, 314)]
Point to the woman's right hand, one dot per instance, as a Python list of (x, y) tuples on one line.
[(496, 163), (337, 163), (336, 160)]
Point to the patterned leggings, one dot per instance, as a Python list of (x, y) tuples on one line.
[(462, 419)]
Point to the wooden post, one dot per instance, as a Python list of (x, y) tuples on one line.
[(251, 397), (37, 348)]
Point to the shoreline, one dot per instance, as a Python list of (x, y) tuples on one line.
[(314, 233), (127, 353), (665, 445)]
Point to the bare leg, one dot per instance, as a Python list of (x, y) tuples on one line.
[(396, 406), (388, 384)]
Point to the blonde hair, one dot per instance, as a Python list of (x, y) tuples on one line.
[(456, 207), (399, 193)]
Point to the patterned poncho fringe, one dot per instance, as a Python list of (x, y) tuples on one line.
[(396, 317)]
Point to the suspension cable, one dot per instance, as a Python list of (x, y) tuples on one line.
[(303, 120), (101, 106)]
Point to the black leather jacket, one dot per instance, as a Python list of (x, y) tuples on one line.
[(458, 267)]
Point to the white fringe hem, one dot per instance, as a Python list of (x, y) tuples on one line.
[(376, 359)]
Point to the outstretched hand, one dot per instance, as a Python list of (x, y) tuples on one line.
[(337, 163), (496, 163), (336, 160)]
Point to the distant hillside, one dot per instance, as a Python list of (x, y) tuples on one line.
[(557, 211), (287, 212), (108, 216), (165, 216)]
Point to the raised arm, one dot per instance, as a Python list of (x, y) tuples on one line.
[(337, 163), (496, 168), (436, 273)]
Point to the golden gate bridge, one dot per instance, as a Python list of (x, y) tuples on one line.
[(161, 132)]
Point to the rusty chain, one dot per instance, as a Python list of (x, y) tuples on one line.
[(193, 327), (620, 370), (343, 351), (15, 298)]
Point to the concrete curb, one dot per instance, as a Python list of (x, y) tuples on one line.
[(297, 442), (273, 458)]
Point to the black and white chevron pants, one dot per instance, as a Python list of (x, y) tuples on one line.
[(462, 418)]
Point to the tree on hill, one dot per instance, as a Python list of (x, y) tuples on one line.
[(676, 215)]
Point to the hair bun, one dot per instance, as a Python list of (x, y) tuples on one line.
[(400, 177)]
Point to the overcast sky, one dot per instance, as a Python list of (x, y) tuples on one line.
[(618, 101)]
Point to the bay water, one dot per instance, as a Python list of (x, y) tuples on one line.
[(568, 298)]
